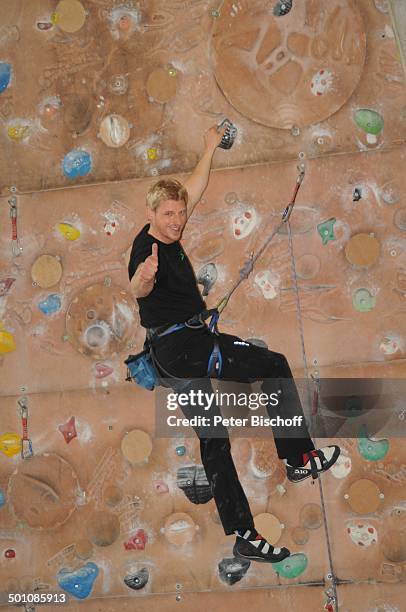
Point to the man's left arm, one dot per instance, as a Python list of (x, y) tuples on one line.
[(197, 182)]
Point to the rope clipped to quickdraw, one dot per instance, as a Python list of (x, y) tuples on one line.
[(249, 264)]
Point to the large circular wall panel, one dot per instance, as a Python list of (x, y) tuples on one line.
[(42, 491), (289, 70), (101, 320)]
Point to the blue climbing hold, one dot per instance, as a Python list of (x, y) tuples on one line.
[(2, 498), (180, 450), (5, 75), (80, 582), (77, 163), (51, 304)]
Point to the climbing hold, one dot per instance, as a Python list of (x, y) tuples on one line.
[(229, 135), (10, 444), (138, 541), (5, 75), (363, 300), (152, 153), (7, 342), (160, 486), (114, 131), (179, 529), (321, 82), (136, 446), (362, 534), (362, 250), (357, 195), (68, 430), (326, 230), (10, 553), (180, 450), (282, 8), (207, 276), (372, 450), (46, 271), (244, 224), (102, 370), (69, 15), (370, 122), (51, 304), (70, 232), (257, 342), (363, 496), (2, 498), (342, 467), (137, 580), (193, 481), (78, 583), (268, 283), (161, 86), (18, 130), (269, 526), (292, 566), (76, 163), (232, 570)]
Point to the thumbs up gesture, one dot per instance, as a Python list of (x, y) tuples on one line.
[(150, 266)]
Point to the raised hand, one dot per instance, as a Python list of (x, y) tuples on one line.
[(150, 265)]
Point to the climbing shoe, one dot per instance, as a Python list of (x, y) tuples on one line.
[(253, 547), (314, 462)]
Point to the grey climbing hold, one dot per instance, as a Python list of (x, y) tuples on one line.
[(207, 276), (137, 580), (232, 570), (193, 481)]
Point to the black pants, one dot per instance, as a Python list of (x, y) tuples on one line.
[(185, 354)]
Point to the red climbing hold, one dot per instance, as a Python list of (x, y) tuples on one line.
[(68, 430)]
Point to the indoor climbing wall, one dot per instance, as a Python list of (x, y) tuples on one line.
[(99, 97)]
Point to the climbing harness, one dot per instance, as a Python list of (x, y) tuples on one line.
[(144, 368)]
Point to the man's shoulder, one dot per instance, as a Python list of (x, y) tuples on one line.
[(143, 237)]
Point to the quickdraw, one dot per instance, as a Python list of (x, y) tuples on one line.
[(16, 248), (26, 444)]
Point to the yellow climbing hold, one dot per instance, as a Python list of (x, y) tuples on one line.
[(10, 444), (17, 131), (55, 18), (69, 231), (152, 153), (7, 342)]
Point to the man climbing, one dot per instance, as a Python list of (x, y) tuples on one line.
[(170, 305)]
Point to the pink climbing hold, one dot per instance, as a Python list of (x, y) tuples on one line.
[(138, 541), (102, 370), (160, 486), (68, 430)]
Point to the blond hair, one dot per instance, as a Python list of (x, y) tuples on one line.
[(165, 189)]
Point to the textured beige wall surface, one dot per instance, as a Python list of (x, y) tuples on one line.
[(125, 90)]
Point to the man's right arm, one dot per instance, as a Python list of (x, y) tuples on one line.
[(144, 278)]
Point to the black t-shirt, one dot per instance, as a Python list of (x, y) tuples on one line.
[(175, 297)]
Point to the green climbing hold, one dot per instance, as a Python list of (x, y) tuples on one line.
[(363, 300), (372, 450), (368, 120), (292, 566), (326, 230)]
